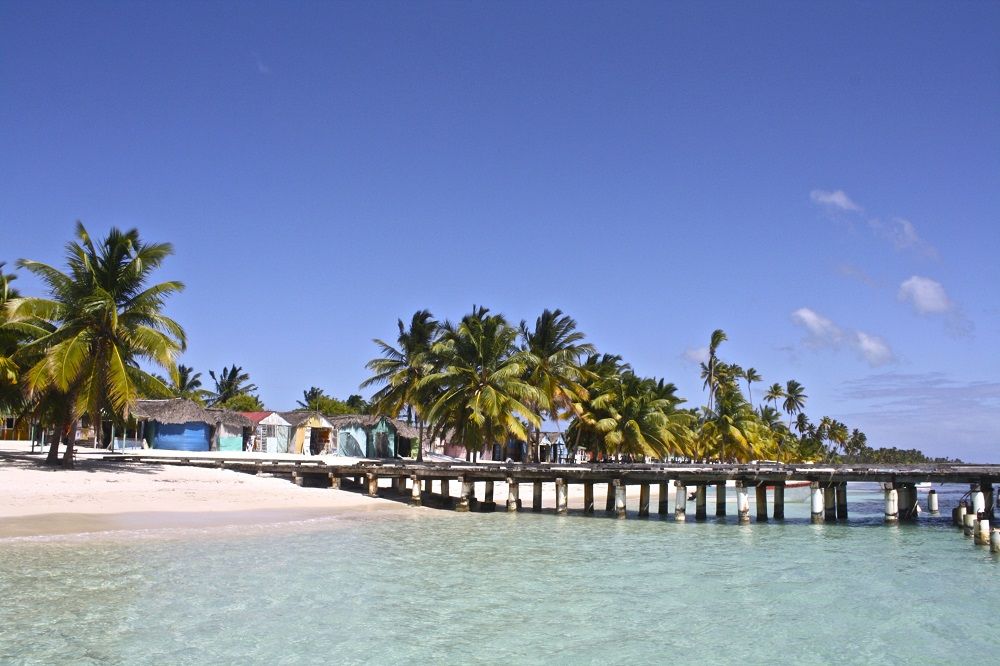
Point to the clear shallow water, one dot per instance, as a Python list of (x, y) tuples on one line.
[(434, 587)]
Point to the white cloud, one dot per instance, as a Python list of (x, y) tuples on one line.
[(821, 330), (903, 236), (696, 354), (823, 333), (927, 296), (872, 348), (836, 199)]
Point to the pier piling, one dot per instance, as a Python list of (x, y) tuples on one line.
[(619, 498), (700, 502), (644, 500), (465, 490), (446, 492), (761, 500), (829, 504), (978, 500), (842, 501), (609, 500), (995, 541), (415, 497), (680, 501), (512, 487), (372, 485), (334, 481), (816, 503), (664, 499), (932, 503), (959, 514), (562, 498), (779, 500), (742, 503), (891, 505), (720, 499), (983, 530), (588, 497), (907, 497), (969, 524), (488, 503), (536, 496)]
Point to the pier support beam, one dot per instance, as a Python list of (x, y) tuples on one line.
[(588, 497), (644, 500), (464, 494), (488, 503), (742, 503), (891, 505), (619, 498), (663, 507), (830, 504), (562, 496), (779, 500), (761, 500), (609, 501), (512, 487), (536, 496), (415, 497), (334, 481), (932, 503), (842, 501), (720, 499), (816, 503), (372, 485), (680, 501), (700, 502)]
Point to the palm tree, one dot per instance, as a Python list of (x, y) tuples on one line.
[(555, 347), (105, 320), (400, 370), (10, 396), (229, 383), (795, 399), (775, 393), (639, 422), (310, 397), (750, 375), (478, 383), (186, 384), (718, 337), (601, 376)]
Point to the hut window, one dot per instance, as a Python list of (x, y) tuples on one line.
[(269, 431)]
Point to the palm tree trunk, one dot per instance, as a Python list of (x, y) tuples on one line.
[(67, 461), (53, 457), (420, 440)]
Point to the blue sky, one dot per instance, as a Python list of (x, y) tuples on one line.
[(820, 180)]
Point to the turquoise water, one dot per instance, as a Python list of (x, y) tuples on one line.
[(440, 587)]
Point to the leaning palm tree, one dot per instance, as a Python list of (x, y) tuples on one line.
[(711, 367), (775, 393), (750, 375), (399, 371), (555, 348), (229, 383), (478, 383), (795, 399), (105, 320)]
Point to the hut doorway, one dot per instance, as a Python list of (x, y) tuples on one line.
[(382, 445), (319, 440)]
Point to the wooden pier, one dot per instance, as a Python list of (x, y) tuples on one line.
[(412, 480)]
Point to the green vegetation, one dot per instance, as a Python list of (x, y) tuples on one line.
[(317, 400)]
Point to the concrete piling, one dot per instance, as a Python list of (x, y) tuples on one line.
[(742, 503), (415, 497), (829, 504), (609, 500), (995, 540), (932, 503), (619, 498), (779, 500), (842, 501), (969, 524), (466, 490), (959, 514), (978, 500), (664, 499), (700, 508), (680, 501), (720, 499), (982, 536), (334, 481), (644, 500), (446, 492), (512, 488), (488, 503), (562, 497), (536, 496), (761, 502), (891, 505), (816, 503), (588, 497), (372, 485)]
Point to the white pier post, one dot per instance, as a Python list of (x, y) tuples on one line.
[(680, 501), (978, 501), (512, 487), (960, 512), (742, 502), (817, 503), (995, 541), (372, 485), (932, 503), (983, 531), (969, 524), (619, 498), (463, 497), (891, 505), (415, 498), (562, 497)]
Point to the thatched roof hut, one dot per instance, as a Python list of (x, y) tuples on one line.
[(176, 411), (369, 421)]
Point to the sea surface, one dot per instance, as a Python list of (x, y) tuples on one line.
[(436, 587)]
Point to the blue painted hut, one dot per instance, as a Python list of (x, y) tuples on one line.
[(367, 436), (182, 425)]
